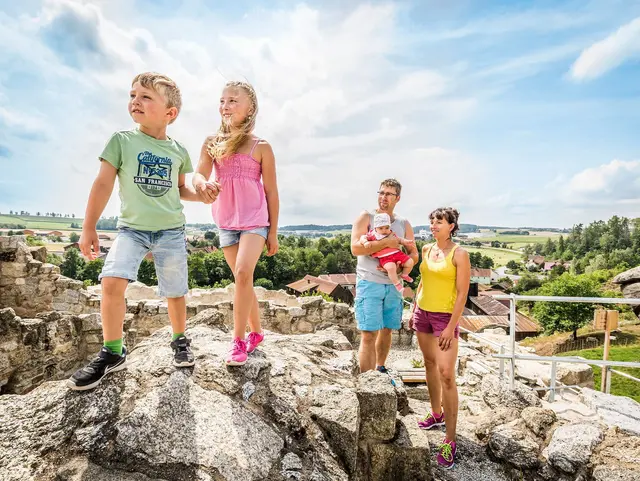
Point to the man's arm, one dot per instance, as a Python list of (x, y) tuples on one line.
[(360, 228), (98, 198), (412, 250)]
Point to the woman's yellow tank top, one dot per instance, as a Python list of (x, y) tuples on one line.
[(438, 293)]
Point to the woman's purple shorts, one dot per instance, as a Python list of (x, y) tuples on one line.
[(432, 322)]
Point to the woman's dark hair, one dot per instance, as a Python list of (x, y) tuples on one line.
[(449, 214)]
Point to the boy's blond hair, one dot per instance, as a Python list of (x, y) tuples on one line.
[(164, 86)]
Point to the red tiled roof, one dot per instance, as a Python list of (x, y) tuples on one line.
[(480, 323), (490, 306), (342, 279), (480, 272)]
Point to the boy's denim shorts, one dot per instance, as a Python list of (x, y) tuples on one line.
[(377, 306), (169, 249), (232, 237)]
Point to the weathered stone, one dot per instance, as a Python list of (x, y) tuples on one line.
[(632, 275), (336, 411), (406, 457), (620, 411), (571, 445), (496, 393), (489, 419), (615, 473), (631, 290), (617, 458), (378, 406), (538, 420), (512, 443)]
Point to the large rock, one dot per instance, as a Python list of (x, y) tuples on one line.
[(619, 411), (626, 277), (406, 457), (513, 443), (335, 409), (157, 422), (497, 393), (575, 375), (631, 291), (538, 420), (617, 458), (571, 446), (378, 406)]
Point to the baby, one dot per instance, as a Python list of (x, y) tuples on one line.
[(389, 257)]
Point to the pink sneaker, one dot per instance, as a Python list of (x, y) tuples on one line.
[(238, 354), (406, 277), (399, 287), (431, 420), (447, 454), (253, 340)]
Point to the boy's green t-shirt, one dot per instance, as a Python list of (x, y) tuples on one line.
[(148, 171)]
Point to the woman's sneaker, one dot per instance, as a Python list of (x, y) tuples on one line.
[(182, 355), (431, 420), (91, 375), (238, 354), (253, 339), (447, 454)]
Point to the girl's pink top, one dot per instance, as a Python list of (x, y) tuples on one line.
[(242, 203)]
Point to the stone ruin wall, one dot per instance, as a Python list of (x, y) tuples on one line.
[(50, 324)]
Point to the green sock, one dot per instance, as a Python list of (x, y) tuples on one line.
[(176, 335), (114, 346)]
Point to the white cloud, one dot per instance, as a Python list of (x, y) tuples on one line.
[(609, 53), (338, 112), (615, 182)]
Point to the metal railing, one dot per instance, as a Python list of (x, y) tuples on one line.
[(554, 360)]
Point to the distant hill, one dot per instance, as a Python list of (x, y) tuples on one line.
[(316, 227)]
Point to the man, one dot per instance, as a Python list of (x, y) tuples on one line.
[(378, 303)]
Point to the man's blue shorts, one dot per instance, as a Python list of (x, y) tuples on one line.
[(377, 306)]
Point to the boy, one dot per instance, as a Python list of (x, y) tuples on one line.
[(151, 170)]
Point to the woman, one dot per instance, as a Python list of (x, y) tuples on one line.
[(445, 272)]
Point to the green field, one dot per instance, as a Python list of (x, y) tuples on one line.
[(500, 257), (520, 240), (620, 386), (41, 222)]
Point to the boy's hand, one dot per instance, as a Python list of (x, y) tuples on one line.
[(89, 239)]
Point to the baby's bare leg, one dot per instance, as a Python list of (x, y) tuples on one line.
[(406, 268), (392, 270)]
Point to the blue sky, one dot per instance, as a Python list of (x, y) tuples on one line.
[(516, 113)]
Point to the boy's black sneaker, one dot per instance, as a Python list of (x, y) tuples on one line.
[(91, 375), (182, 355)]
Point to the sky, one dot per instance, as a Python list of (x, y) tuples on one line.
[(518, 113)]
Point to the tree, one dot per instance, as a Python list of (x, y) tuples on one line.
[(486, 262), (198, 274), (147, 273), (331, 264), (527, 283), (74, 237), (513, 265), (324, 246), (566, 316), (213, 238), (73, 264), (92, 270), (266, 283), (346, 262)]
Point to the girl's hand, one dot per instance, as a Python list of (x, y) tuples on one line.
[(208, 191), (413, 312), (272, 243)]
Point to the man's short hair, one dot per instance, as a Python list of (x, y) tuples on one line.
[(392, 183), (163, 85)]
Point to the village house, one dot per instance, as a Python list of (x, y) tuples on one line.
[(481, 276), (312, 284)]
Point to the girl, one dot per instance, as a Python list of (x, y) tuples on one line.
[(445, 273), (245, 204)]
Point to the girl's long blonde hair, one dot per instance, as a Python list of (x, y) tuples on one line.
[(227, 141)]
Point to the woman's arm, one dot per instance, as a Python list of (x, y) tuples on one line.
[(463, 276)]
